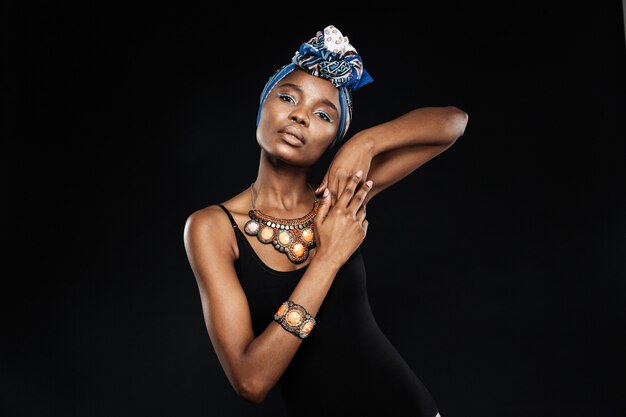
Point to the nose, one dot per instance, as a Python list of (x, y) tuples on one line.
[(298, 116)]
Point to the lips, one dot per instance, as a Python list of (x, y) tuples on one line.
[(294, 131)]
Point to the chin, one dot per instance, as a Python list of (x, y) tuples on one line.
[(291, 156)]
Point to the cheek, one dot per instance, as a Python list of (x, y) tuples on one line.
[(271, 114), (326, 131), (267, 119), (264, 127)]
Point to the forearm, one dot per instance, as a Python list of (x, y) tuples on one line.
[(422, 126), (268, 355)]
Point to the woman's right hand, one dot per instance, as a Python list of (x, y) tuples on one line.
[(340, 229)]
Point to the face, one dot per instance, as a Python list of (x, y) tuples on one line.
[(299, 118)]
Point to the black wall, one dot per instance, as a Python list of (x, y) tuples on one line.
[(119, 122)]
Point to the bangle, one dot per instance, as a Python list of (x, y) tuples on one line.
[(295, 319)]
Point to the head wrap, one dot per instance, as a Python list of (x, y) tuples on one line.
[(327, 55)]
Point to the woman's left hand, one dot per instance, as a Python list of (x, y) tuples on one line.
[(354, 155)]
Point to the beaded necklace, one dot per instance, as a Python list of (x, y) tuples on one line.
[(293, 237)]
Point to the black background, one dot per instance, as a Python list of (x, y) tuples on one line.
[(506, 252)]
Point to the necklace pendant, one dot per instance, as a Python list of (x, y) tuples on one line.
[(293, 237)]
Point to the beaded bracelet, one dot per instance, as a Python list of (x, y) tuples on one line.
[(295, 319)]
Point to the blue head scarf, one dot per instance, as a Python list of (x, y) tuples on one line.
[(327, 55)]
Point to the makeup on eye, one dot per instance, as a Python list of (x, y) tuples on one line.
[(326, 116), (288, 98)]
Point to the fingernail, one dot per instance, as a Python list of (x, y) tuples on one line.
[(359, 173), (326, 192)]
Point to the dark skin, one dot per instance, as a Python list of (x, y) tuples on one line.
[(307, 107)]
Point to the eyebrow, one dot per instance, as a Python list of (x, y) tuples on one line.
[(299, 89)]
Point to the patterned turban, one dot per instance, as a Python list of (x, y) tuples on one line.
[(328, 55)]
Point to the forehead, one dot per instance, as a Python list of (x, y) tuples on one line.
[(313, 86)]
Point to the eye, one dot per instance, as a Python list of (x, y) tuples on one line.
[(286, 97), (325, 116)]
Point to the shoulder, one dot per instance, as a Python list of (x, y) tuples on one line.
[(210, 221), (209, 217), (207, 229)]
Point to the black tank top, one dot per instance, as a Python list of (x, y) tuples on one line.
[(346, 366)]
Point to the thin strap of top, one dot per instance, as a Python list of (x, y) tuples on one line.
[(230, 216)]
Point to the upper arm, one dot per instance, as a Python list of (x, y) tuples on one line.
[(224, 303), (390, 167)]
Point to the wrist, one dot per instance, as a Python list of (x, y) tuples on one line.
[(325, 261), (366, 142)]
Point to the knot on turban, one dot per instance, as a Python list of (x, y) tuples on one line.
[(329, 55)]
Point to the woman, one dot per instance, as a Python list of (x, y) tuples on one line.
[(278, 266)]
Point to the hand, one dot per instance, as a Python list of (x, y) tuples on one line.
[(353, 155), (340, 229)]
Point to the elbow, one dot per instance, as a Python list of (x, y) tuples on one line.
[(251, 392), (456, 123)]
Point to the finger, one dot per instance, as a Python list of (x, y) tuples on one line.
[(341, 184), (358, 198), (360, 214), (349, 190), (324, 206), (320, 190), (322, 185), (334, 190), (365, 226), (345, 181)]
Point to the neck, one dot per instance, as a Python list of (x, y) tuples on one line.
[(281, 190)]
